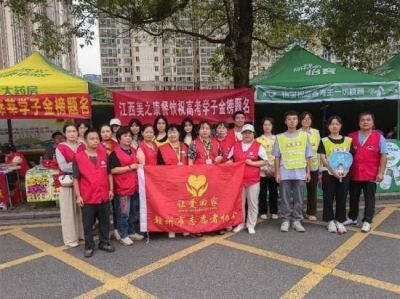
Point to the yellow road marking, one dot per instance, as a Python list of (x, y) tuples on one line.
[(387, 286), (312, 279), (385, 234), (31, 225), (10, 231), (110, 281)]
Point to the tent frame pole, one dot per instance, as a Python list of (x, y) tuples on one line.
[(398, 120)]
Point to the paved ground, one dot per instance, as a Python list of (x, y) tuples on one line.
[(35, 264)]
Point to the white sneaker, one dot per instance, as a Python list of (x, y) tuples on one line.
[(73, 244), (126, 241), (251, 230), (285, 226), (350, 222), (136, 237), (341, 228), (274, 216), (171, 235), (264, 216), (186, 234), (3, 206), (117, 236), (332, 227), (298, 227), (238, 228), (312, 218), (366, 227)]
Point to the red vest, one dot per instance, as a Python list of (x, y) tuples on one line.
[(24, 164), (93, 180), (232, 136), (109, 145), (201, 153), (366, 159), (126, 183), (225, 145), (150, 154), (169, 155), (251, 173), (67, 152)]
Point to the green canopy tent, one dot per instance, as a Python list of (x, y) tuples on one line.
[(302, 77), (391, 70)]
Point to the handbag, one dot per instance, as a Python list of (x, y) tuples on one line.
[(66, 180)]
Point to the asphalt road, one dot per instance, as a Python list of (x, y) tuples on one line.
[(270, 264)]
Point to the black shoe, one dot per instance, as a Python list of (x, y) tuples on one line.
[(106, 247), (88, 252)]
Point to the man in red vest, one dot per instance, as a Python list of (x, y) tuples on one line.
[(94, 189), (239, 119), (368, 167)]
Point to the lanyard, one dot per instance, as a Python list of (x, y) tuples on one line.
[(179, 153)]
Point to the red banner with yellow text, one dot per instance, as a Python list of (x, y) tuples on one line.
[(195, 199), (45, 106), (212, 105)]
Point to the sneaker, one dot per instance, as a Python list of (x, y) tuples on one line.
[(274, 216), (298, 227), (186, 234), (366, 227), (341, 228), (332, 227), (126, 241), (285, 226), (229, 229), (88, 252), (222, 232), (107, 247), (238, 228), (117, 236), (251, 230), (350, 222), (136, 237), (312, 217), (171, 235), (73, 244), (264, 216), (3, 206)]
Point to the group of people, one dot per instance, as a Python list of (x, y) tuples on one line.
[(104, 166)]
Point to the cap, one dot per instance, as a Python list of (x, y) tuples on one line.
[(248, 127), (115, 122)]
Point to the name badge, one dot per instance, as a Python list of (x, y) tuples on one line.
[(180, 163), (209, 161)]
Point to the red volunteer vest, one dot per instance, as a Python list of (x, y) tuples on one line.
[(170, 157), (150, 154), (67, 152), (24, 164), (232, 136), (93, 180), (251, 173), (109, 145), (225, 145), (366, 159), (201, 153), (126, 183)]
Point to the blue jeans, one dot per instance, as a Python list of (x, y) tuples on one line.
[(127, 209)]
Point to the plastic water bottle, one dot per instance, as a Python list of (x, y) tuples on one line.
[(396, 175), (387, 180), (41, 161)]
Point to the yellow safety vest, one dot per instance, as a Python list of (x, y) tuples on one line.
[(293, 150), (315, 139), (331, 147), (268, 144)]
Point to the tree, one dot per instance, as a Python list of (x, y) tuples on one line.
[(233, 25), (362, 33)]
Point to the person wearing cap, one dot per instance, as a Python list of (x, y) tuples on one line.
[(292, 151), (254, 155), (115, 124)]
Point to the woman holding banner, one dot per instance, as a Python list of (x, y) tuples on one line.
[(204, 150), (160, 130), (254, 155), (173, 152), (147, 151), (71, 215), (335, 185)]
